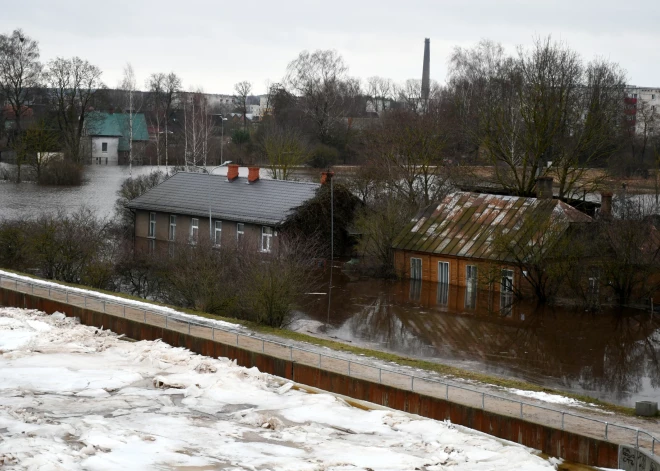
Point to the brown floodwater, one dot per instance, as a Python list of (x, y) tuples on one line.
[(612, 355)]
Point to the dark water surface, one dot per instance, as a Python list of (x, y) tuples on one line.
[(610, 355), (613, 356)]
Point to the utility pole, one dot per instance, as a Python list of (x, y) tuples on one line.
[(332, 245)]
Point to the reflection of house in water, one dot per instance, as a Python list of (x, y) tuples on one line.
[(612, 356)]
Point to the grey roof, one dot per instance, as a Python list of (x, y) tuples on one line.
[(266, 202)]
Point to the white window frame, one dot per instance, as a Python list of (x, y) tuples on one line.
[(267, 237), (507, 280), (106, 147), (172, 233), (416, 273), (152, 225), (471, 274), (217, 233), (444, 272), (194, 230), (240, 232)]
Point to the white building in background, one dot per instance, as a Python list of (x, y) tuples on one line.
[(643, 109)]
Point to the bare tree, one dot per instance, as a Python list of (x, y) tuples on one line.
[(198, 129), (315, 79), (541, 112), (381, 92), (242, 92), (408, 147), (20, 72), (74, 84), (133, 104), (163, 90), (41, 144), (284, 149)]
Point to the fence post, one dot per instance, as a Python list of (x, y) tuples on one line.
[(562, 420), (145, 316), (319, 360), (103, 302), (237, 339), (637, 440), (349, 367), (166, 322), (124, 307), (652, 445), (263, 346), (188, 327), (380, 375), (606, 425), (483, 401), (84, 297), (412, 383), (521, 410), (447, 392), (212, 332), (67, 296), (290, 353)]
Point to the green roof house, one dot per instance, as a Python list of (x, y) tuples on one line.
[(109, 138)]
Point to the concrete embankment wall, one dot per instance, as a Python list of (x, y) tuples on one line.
[(560, 443)]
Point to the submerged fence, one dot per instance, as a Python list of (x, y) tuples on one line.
[(223, 332)]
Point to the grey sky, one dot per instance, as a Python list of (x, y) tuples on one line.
[(214, 44)]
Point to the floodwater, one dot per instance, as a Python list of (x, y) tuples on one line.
[(98, 193), (613, 356)]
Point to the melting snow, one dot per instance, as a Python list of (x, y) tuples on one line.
[(74, 397)]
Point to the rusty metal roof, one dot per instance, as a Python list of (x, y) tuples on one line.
[(464, 224)]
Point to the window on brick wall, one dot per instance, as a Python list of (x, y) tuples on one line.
[(194, 230), (266, 239), (217, 235), (240, 231), (416, 268), (443, 272), (152, 224), (172, 227)]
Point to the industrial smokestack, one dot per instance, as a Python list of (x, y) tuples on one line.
[(426, 70)]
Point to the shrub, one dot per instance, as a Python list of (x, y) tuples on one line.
[(63, 172)]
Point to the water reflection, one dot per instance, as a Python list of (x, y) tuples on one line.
[(609, 355)]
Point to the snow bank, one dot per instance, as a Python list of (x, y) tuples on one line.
[(74, 397)]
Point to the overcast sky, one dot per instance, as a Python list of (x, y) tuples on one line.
[(213, 44)]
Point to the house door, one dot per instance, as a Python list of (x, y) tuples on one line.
[(416, 268), (443, 272)]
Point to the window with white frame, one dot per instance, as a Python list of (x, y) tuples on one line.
[(266, 239), (443, 272), (194, 230), (104, 147), (172, 227), (470, 275), (240, 231), (152, 225), (217, 234), (507, 280), (416, 268)]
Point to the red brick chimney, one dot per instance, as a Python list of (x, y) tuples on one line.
[(605, 205), (232, 172), (326, 177), (544, 187), (253, 174)]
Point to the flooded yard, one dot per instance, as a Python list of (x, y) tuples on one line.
[(611, 355)]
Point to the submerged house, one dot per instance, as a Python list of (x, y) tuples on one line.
[(239, 210), (454, 241), (108, 138)]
